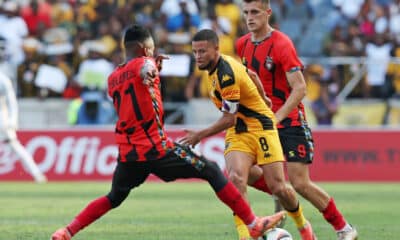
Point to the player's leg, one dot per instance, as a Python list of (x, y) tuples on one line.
[(257, 181), (270, 158), (238, 166), (298, 146), (25, 157), (185, 164), (127, 176)]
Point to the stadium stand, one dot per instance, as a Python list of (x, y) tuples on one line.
[(66, 35)]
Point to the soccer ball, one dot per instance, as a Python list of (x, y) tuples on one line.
[(277, 234)]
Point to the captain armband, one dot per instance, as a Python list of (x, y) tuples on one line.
[(294, 69), (230, 106)]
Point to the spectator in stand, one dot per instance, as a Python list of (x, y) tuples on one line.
[(6, 67), (13, 28), (393, 76), (95, 109), (36, 18), (378, 56), (325, 106), (93, 71), (231, 11), (28, 68), (335, 43), (298, 10), (184, 21), (355, 40)]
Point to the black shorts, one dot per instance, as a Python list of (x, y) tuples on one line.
[(297, 144), (179, 163)]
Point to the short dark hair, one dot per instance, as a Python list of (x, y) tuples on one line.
[(206, 35), (265, 2), (136, 33)]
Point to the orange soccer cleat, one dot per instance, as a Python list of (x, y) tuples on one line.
[(265, 223), (307, 232), (61, 234)]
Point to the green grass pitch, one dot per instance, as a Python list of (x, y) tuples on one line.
[(180, 211)]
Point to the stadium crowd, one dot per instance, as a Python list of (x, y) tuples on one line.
[(66, 49)]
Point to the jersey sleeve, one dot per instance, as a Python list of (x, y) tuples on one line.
[(229, 82), (288, 56)]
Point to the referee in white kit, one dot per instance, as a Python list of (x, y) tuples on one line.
[(8, 127)]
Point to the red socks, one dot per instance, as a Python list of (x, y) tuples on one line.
[(261, 185), (333, 216), (232, 197), (93, 211)]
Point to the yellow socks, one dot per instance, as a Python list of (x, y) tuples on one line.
[(241, 228), (298, 217)]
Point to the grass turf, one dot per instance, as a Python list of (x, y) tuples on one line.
[(180, 211)]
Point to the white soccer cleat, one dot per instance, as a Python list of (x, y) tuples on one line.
[(347, 234)]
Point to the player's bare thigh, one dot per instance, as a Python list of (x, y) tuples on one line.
[(238, 166)]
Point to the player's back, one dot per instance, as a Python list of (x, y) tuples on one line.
[(137, 118), (230, 81)]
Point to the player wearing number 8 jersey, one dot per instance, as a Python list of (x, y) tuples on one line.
[(145, 149), (251, 134)]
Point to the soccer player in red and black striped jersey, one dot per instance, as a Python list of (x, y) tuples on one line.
[(272, 55), (144, 147)]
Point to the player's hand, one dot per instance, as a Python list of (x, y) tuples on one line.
[(150, 77), (159, 61), (190, 139)]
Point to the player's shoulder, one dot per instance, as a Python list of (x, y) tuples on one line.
[(226, 70), (243, 39), (281, 38)]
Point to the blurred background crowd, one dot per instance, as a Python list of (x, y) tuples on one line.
[(66, 48)]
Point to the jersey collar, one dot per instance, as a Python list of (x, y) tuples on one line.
[(269, 34)]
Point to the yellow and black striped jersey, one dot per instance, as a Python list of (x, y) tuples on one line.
[(229, 82)]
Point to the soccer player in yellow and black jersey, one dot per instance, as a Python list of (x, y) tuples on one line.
[(251, 133)]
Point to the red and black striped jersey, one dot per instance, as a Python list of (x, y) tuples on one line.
[(140, 112), (271, 59)]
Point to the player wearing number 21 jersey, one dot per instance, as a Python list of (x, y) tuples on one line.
[(137, 132)]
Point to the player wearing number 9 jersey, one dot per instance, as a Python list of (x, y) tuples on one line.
[(145, 149), (273, 56), (251, 134)]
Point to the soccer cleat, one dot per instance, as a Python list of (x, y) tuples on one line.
[(41, 179), (278, 208), (61, 234), (307, 232), (347, 235), (264, 223)]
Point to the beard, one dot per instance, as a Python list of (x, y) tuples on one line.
[(208, 66)]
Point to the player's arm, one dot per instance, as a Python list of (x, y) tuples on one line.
[(256, 80), (297, 83), (149, 72), (193, 137), (228, 119)]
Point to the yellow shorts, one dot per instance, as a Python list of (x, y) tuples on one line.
[(264, 145)]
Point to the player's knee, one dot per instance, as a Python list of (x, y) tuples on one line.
[(211, 169), (238, 179), (116, 197), (300, 186), (278, 188)]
